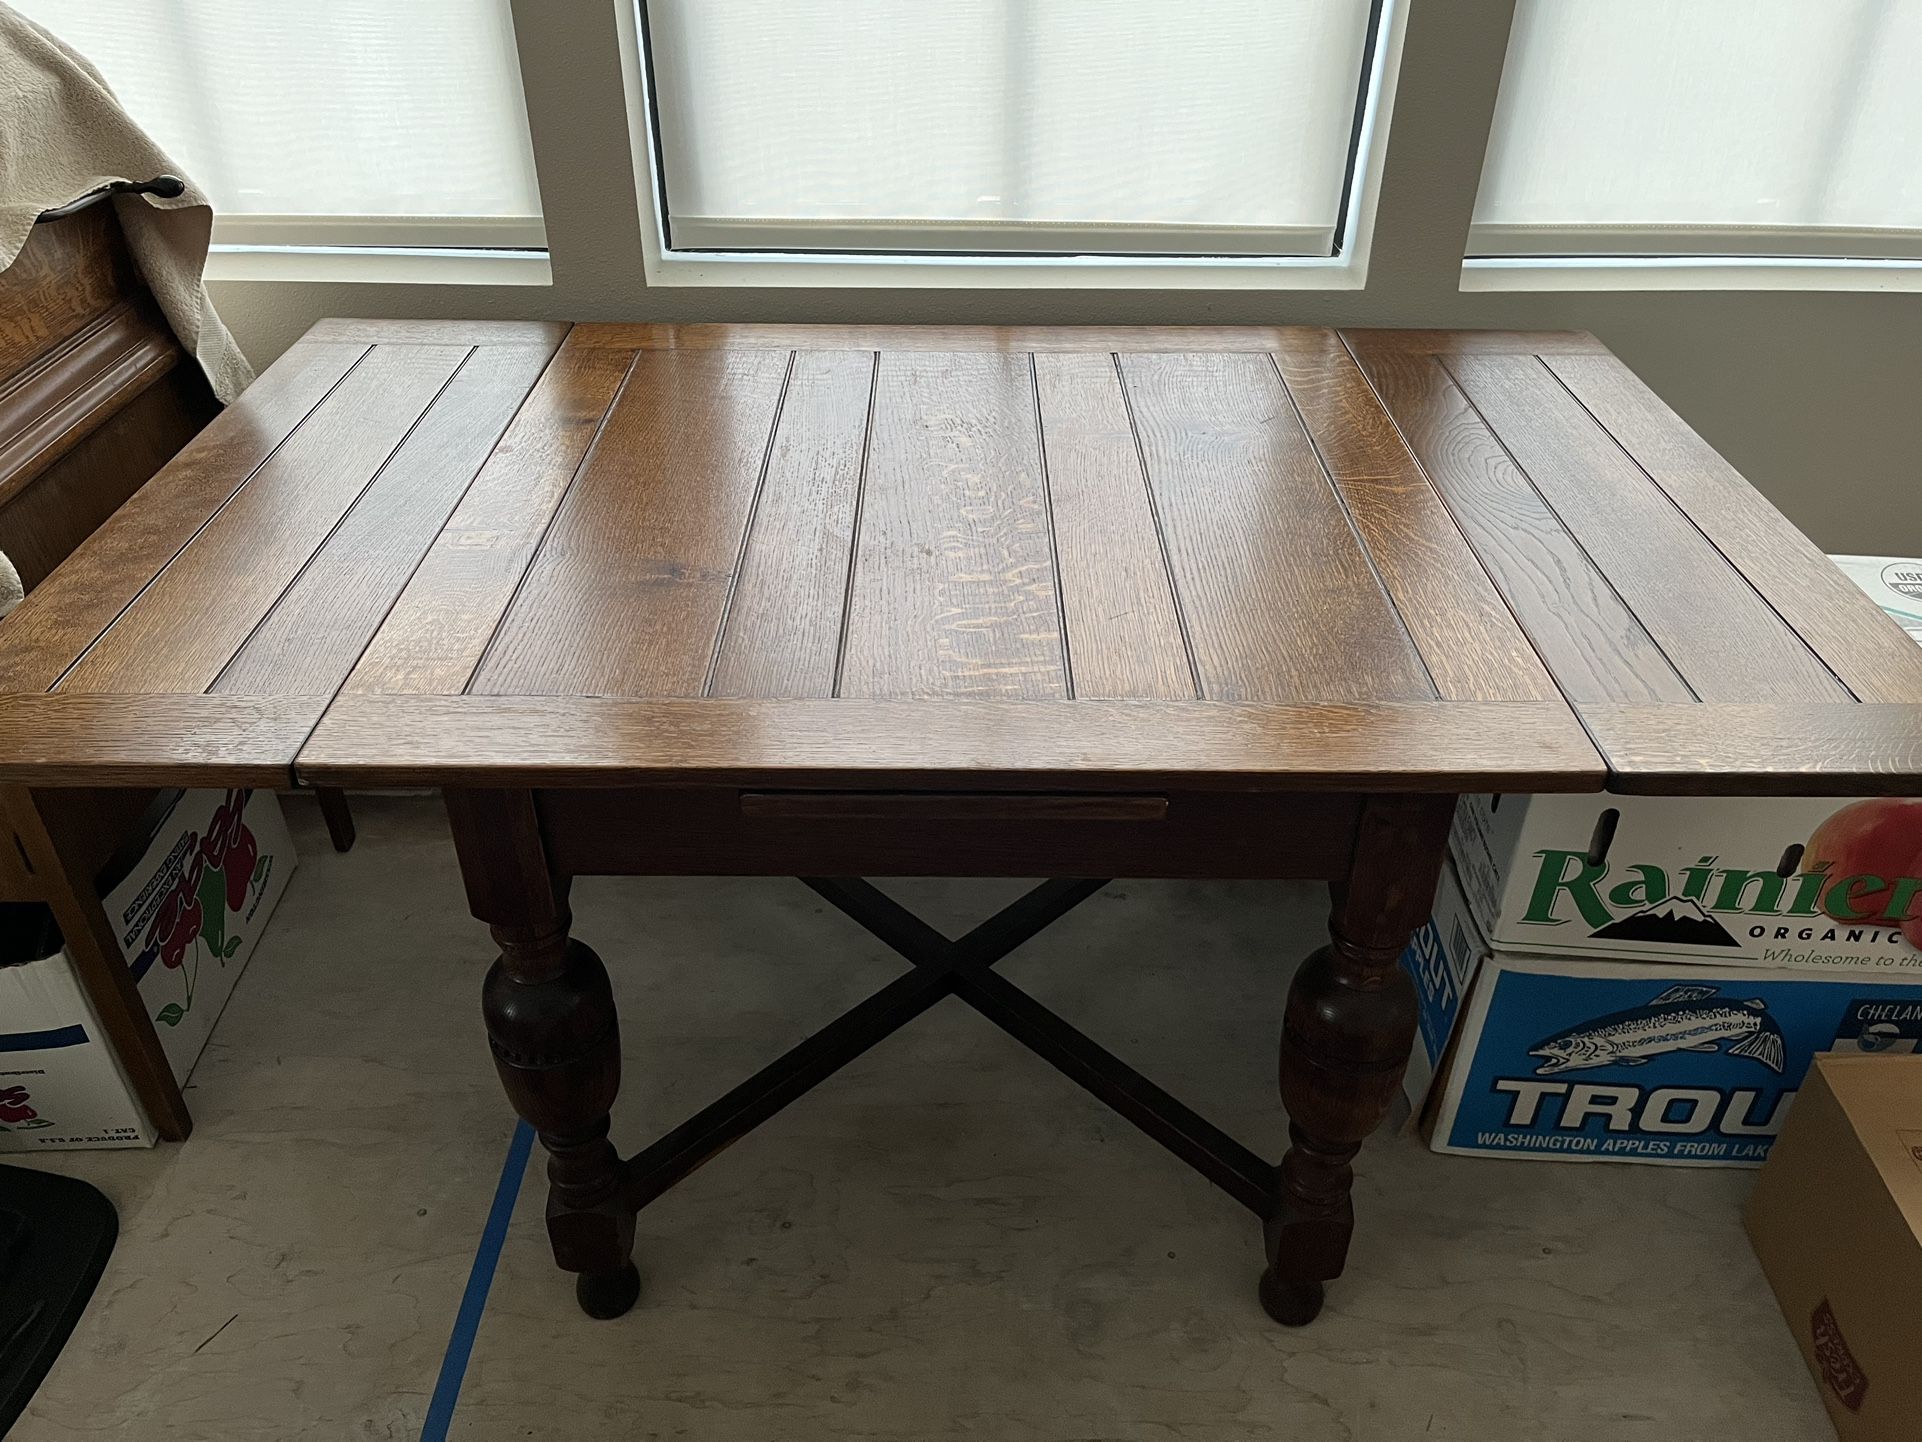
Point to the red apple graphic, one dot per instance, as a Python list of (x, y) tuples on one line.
[(239, 868), (1912, 927), (1880, 837)]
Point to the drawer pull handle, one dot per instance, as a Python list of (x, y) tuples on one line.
[(952, 806)]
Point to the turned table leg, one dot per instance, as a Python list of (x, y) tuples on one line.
[(1345, 1038), (556, 1043)]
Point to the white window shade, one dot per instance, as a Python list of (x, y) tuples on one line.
[(1711, 127), (1052, 126), (327, 122)]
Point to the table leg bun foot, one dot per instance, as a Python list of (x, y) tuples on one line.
[(607, 1295), (1291, 1303)]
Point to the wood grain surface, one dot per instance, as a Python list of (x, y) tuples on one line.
[(952, 589), (1807, 749), (1871, 654), (451, 605), (627, 591), (950, 743), (1281, 602), (1117, 595), (1375, 559), (80, 600), (84, 738), (782, 633)]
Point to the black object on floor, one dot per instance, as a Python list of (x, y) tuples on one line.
[(55, 1237)]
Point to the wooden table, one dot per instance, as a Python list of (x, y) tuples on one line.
[(850, 602)]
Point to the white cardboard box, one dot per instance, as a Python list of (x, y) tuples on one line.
[(189, 915), (1824, 883)]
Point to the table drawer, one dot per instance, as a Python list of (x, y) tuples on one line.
[(728, 831)]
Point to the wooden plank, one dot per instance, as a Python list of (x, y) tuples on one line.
[(1117, 597), (1719, 634), (1479, 342), (1431, 746), (1467, 637), (320, 625), (1786, 749), (626, 594), (1591, 642), (371, 331), (79, 738), (1858, 641), (952, 591), (783, 628), (68, 610), (76, 389), (1008, 339), (439, 628), (199, 611), (1281, 604)]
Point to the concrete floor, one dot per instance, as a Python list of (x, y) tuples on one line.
[(947, 1240)]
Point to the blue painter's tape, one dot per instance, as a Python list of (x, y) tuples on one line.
[(480, 1277), (75, 1035)]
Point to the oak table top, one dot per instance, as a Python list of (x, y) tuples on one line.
[(520, 553)]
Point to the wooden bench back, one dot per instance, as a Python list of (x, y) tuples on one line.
[(96, 393)]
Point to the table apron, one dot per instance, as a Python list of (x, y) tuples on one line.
[(733, 831)]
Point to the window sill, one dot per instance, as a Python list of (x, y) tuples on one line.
[(895, 272), (1482, 274), (377, 265)]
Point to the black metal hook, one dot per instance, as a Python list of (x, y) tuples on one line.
[(165, 186)]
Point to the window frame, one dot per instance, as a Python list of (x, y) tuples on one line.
[(1345, 269)]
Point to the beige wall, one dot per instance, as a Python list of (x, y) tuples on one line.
[(1816, 397)]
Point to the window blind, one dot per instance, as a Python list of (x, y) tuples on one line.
[(1062, 126), (331, 122), (1714, 127)]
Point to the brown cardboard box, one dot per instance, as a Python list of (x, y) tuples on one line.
[(1836, 1219)]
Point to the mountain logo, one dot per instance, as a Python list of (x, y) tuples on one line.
[(1677, 921), (1683, 1018)]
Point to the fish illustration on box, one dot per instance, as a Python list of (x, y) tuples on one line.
[(1683, 1018)]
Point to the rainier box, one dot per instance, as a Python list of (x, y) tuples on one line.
[(1822, 883), (190, 906), (1620, 1061), (1836, 1219)]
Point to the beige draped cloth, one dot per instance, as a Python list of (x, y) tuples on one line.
[(62, 134)]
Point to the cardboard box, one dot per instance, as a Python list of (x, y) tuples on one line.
[(1617, 1061), (189, 913), (1442, 958), (1836, 1219), (1821, 883)]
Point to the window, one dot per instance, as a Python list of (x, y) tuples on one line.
[(328, 122), (1707, 128), (1036, 127)]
